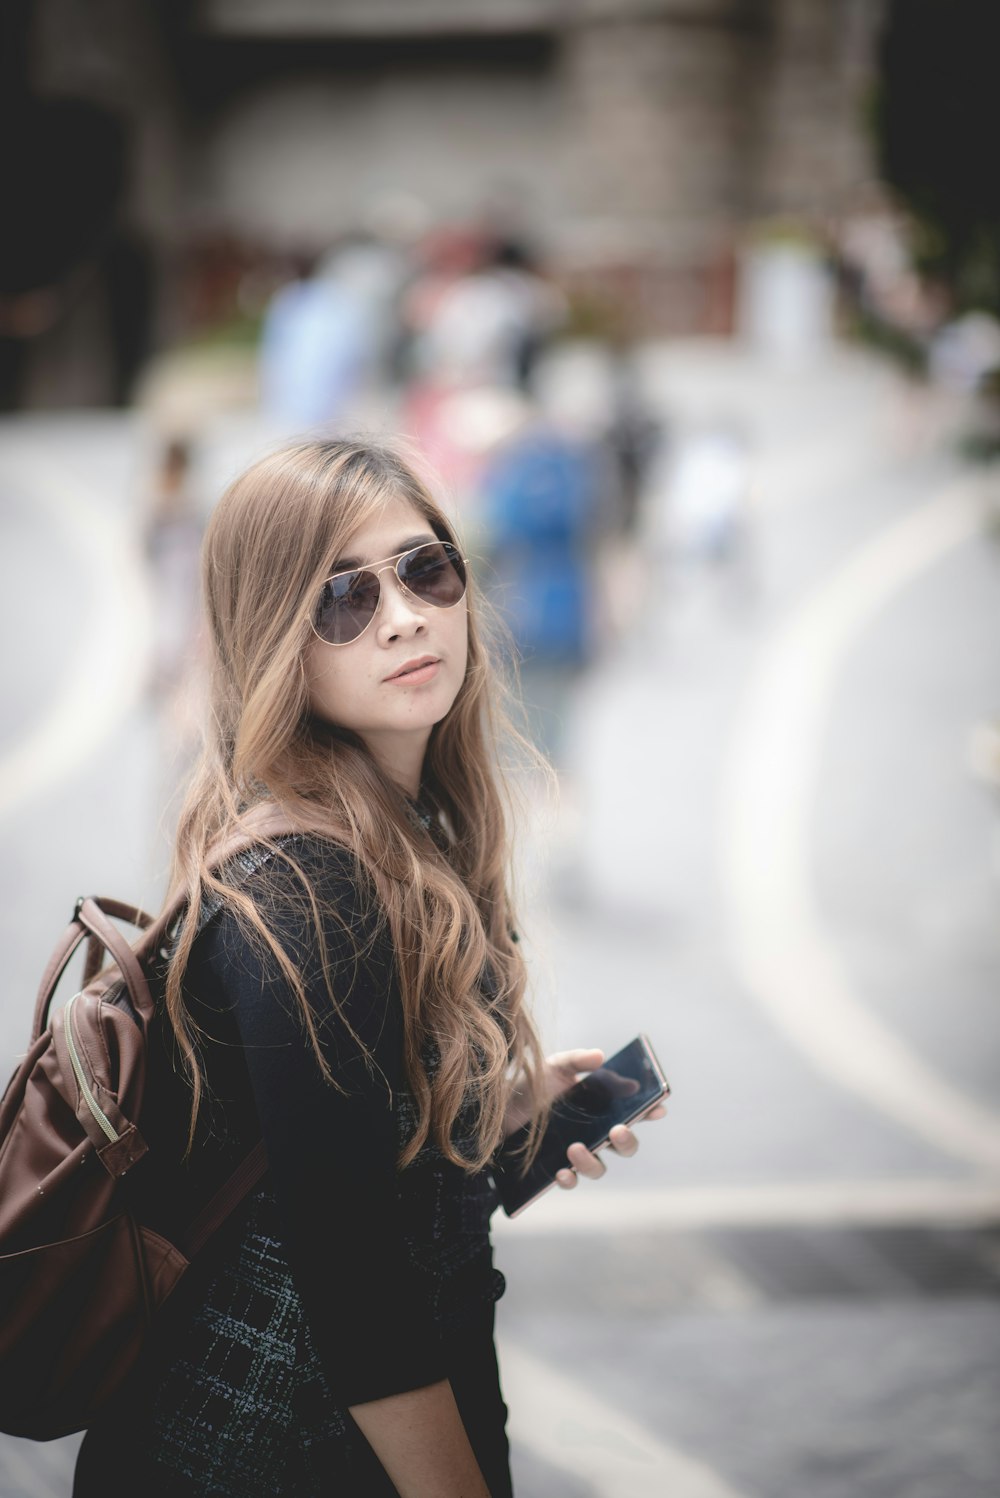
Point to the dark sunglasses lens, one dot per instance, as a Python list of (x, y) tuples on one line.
[(346, 606), (434, 573)]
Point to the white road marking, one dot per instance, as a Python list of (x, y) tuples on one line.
[(785, 957), (565, 1424), (106, 650), (895, 1202)]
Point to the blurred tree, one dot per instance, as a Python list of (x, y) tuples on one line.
[(937, 125)]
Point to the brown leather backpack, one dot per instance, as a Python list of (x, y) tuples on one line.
[(80, 1278)]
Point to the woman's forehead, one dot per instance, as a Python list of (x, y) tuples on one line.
[(395, 526)]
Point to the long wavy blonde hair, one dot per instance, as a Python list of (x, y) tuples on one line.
[(267, 551)]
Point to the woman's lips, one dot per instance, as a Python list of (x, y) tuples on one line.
[(412, 677)]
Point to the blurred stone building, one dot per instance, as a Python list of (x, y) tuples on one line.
[(634, 140), (636, 136)]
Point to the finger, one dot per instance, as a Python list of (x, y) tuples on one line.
[(566, 1179), (584, 1162), (579, 1060), (623, 1141), (659, 1110)]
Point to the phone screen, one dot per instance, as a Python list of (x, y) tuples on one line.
[(624, 1086)]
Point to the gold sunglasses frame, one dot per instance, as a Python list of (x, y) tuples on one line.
[(388, 564)]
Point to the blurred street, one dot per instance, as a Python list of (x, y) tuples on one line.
[(770, 854)]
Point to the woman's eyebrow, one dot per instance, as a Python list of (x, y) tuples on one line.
[(344, 564)]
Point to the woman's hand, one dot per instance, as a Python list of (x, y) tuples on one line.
[(564, 1069), (561, 1071)]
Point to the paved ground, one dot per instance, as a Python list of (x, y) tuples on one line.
[(770, 856)]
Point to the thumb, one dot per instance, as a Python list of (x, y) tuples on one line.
[(578, 1060)]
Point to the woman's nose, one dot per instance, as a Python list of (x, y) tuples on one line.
[(399, 614)]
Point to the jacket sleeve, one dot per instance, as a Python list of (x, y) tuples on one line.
[(332, 1153)]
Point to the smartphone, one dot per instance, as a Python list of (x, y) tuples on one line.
[(615, 1093)]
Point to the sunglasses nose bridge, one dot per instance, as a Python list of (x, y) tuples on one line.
[(393, 567)]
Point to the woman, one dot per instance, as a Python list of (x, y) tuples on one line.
[(353, 992)]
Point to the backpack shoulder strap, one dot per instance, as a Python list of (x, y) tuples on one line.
[(248, 843), (251, 848), (225, 1201)]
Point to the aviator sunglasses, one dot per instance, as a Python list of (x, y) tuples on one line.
[(432, 573)]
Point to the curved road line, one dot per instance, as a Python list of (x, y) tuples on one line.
[(875, 1202), (108, 663), (567, 1426), (784, 955)]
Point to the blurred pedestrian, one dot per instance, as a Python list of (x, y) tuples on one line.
[(172, 543), (374, 270), (489, 327), (706, 513), (696, 530), (315, 350), (539, 505), (442, 257), (354, 993)]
